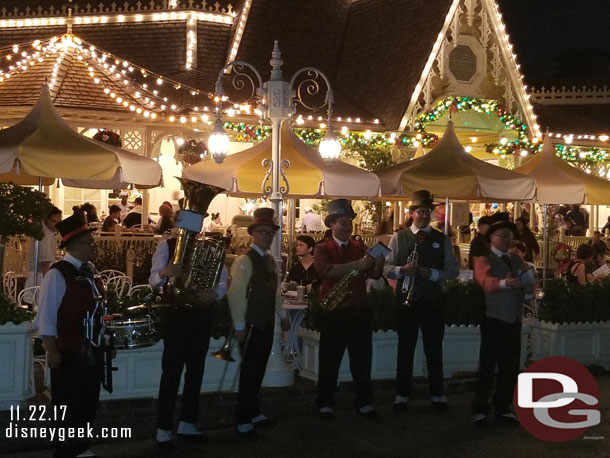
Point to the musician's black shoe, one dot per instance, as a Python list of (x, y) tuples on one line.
[(87, 454), (164, 438), (368, 412), (507, 419), (326, 413), (439, 403), (246, 431), (479, 420), (190, 431), (400, 407), (262, 421)]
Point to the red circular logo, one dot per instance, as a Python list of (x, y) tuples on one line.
[(557, 399)]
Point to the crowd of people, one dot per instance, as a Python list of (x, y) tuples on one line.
[(340, 268)]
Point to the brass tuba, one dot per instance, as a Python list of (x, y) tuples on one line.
[(201, 260)]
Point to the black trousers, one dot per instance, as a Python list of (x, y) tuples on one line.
[(185, 344), (501, 347), (75, 384), (427, 316), (253, 366), (340, 329)]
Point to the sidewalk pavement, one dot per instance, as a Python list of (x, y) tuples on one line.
[(419, 432)]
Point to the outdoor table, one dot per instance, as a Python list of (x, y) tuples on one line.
[(292, 349)]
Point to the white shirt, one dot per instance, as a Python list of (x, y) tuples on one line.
[(212, 226), (435, 274), (124, 209), (52, 293), (310, 222), (161, 259), (47, 249), (241, 272)]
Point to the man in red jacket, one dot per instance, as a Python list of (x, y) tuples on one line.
[(349, 323)]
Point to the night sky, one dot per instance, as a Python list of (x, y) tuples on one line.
[(560, 42)]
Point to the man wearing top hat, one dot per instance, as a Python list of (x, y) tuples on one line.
[(435, 264), (254, 299), (67, 295), (505, 278), (348, 324)]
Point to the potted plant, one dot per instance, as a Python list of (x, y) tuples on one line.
[(463, 311), (574, 322), (16, 384)]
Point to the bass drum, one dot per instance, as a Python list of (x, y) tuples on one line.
[(130, 333)]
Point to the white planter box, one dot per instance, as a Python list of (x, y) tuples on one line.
[(139, 372), (460, 353), (17, 373), (588, 343)]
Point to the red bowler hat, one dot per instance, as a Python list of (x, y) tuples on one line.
[(73, 226), (263, 217)]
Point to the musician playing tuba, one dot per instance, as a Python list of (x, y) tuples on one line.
[(187, 322), (68, 296), (424, 307), (346, 320)]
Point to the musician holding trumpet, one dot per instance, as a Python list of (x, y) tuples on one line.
[(69, 319), (421, 258), (346, 321)]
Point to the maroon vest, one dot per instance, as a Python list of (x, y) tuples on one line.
[(77, 301), (355, 251)]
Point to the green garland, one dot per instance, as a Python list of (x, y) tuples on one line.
[(360, 141)]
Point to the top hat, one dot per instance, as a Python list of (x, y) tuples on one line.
[(338, 208), (500, 220), (72, 226), (422, 198), (263, 217)]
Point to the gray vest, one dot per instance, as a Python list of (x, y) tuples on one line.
[(505, 305), (261, 290), (430, 254)]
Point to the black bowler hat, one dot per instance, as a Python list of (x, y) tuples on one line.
[(422, 198), (500, 220), (73, 226), (263, 217), (338, 208)]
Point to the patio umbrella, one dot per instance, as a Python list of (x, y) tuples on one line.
[(560, 183), (43, 145), (308, 175), (449, 171)]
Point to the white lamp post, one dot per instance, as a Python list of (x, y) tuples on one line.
[(275, 98), (275, 104)]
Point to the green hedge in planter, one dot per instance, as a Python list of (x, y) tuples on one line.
[(465, 305), (565, 302), (11, 312)]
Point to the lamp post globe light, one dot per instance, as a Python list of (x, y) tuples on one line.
[(276, 103)]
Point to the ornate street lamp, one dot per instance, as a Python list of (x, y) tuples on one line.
[(276, 102)]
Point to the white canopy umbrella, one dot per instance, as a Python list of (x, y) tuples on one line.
[(43, 145), (307, 177)]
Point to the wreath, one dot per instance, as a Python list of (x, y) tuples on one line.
[(192, 151), (109, 137)]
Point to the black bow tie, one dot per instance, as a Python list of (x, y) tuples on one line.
[(85, 270)]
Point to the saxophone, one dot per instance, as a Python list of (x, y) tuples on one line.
[(339, 292), (202, 260)]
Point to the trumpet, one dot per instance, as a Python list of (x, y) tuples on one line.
[(409, 280)]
